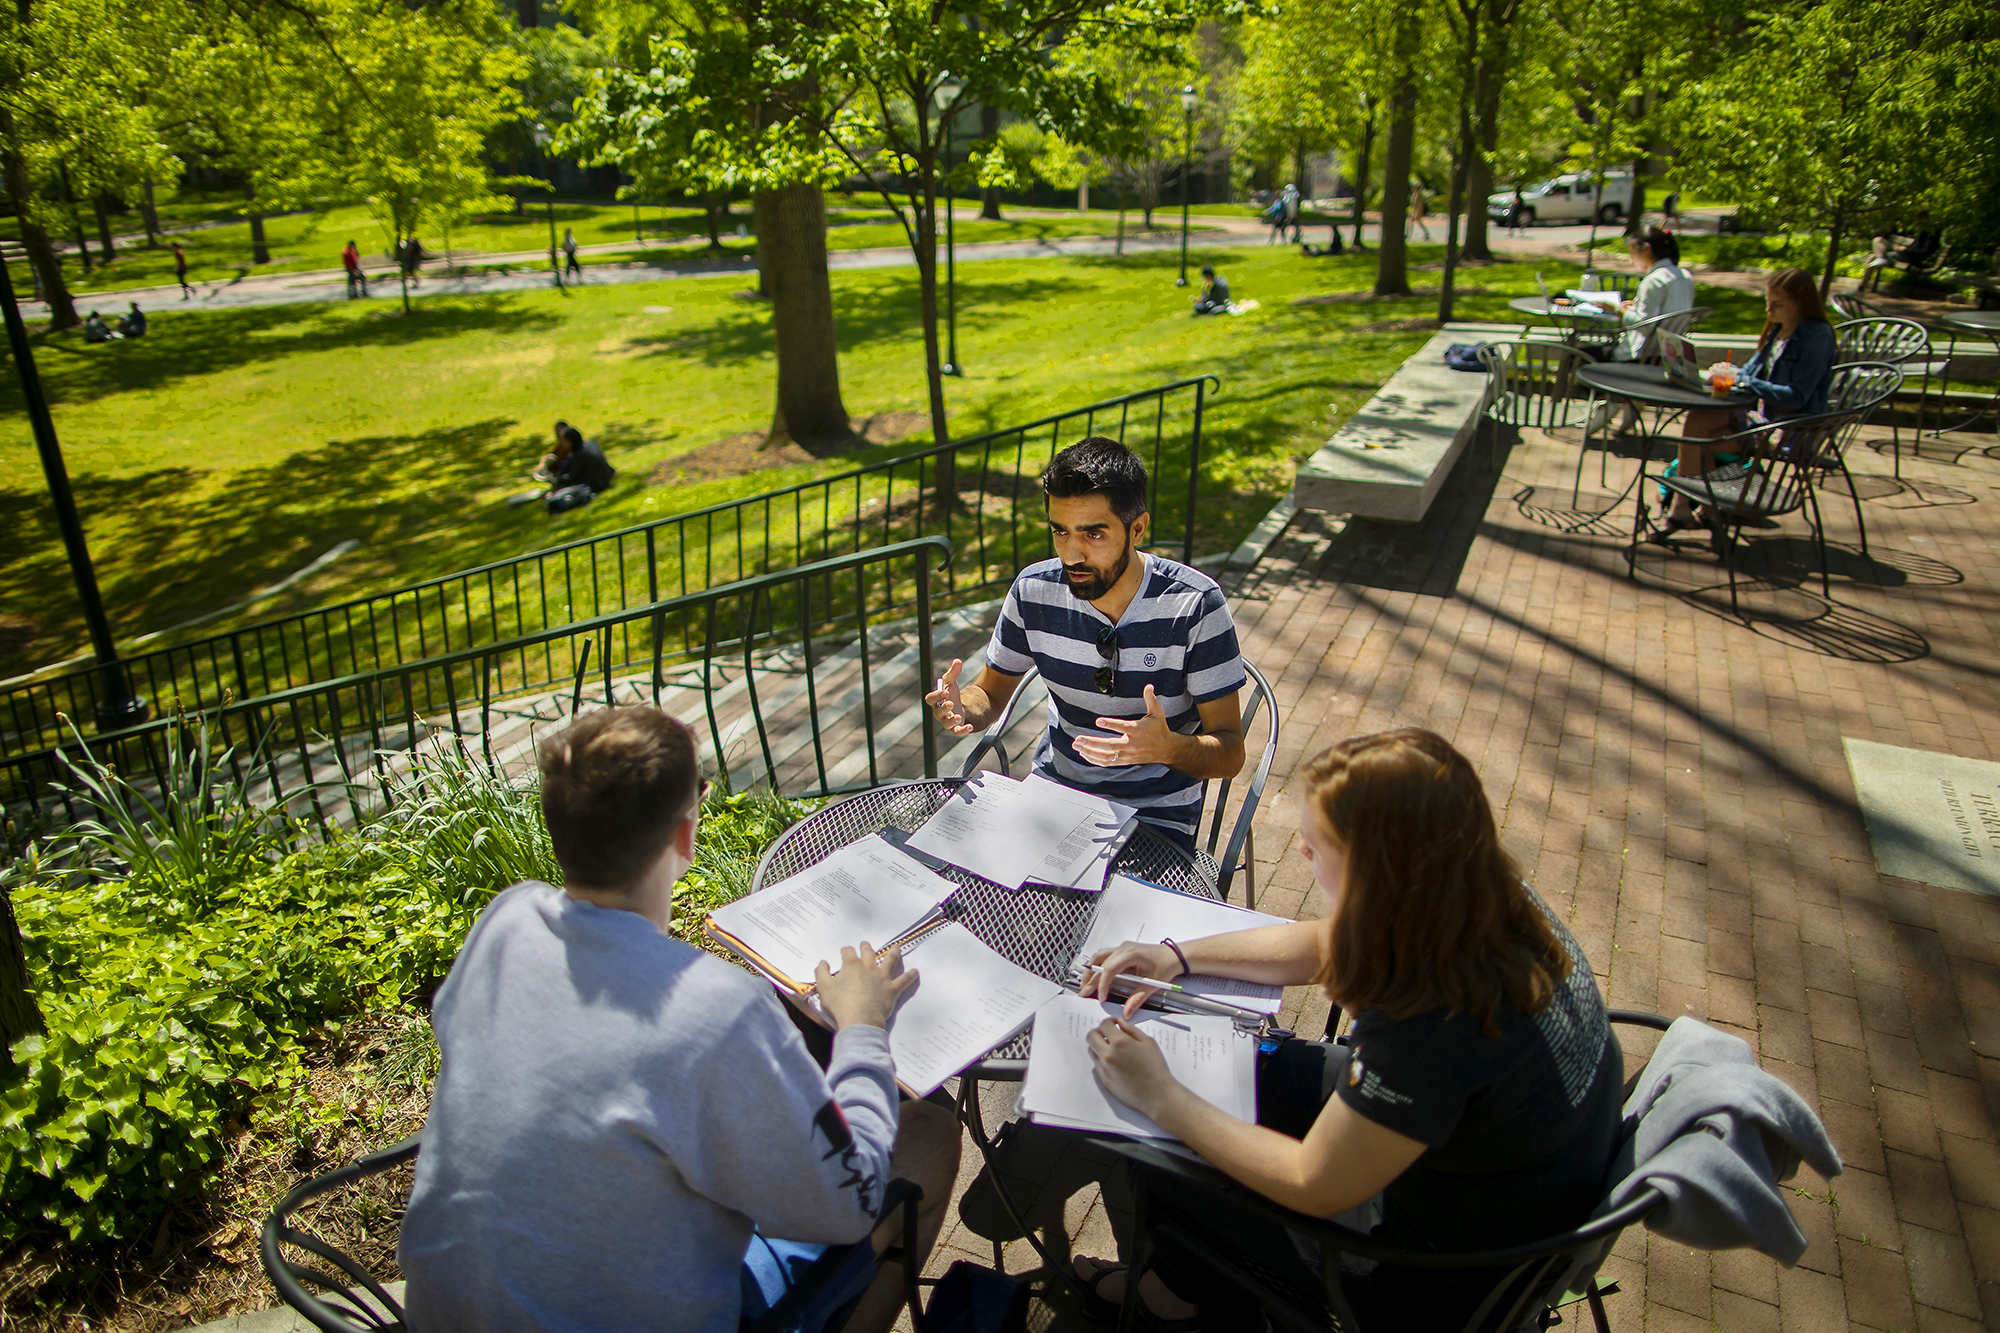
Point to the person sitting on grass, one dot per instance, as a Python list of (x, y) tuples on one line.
[(132, 325), (1214, 293), (1477, 1095), (582, 463), (1330, 250), (619, 1117), (95, 330)]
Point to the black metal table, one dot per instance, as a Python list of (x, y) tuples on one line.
[(1037, 928), (1573, 316), (1651, 386), (1986, 324)]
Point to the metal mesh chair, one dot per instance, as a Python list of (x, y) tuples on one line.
[(357, 1303), (1537, 1276), (1532, 384), (1774, 477), (1605, 342), (1242, 842), (1897, 342)]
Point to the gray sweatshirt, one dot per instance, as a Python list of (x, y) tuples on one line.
[(614, 1110)]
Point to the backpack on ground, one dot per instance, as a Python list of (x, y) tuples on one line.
[(565, 498)]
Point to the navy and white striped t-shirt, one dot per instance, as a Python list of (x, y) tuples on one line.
[(1176, 636)]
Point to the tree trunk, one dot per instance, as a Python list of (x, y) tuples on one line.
[(151, 215), (709, 207), (791, 248), (1832, 253), (1391, 271), (19, 1014), (260, 249), (1083, 195), (1461, 161), (104, 228), (1361, 174), (1486, 131), (75, 221), (989, 129), (528, 13), (1299, 171), (41, 253)]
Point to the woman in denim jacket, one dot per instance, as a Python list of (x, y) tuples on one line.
[(1789, 372)]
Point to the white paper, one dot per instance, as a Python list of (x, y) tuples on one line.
[(967, 1000), (1601, 300), (1207, 1054), (1011, 832), (868, 890), (1132, 909)]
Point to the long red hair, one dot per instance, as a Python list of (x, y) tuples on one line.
[(1798, 285), (1432, 913)]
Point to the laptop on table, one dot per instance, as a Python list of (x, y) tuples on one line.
[(1677, 354)]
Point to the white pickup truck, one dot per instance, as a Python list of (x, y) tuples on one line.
[(1571, 198)]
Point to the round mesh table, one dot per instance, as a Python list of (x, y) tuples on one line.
[(1038, 928)]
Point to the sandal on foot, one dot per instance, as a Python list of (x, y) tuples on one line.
[(1105, 1311), (1662, 532)]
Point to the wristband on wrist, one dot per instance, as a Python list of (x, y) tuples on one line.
[(1185, 969)]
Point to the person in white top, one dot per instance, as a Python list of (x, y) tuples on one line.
[(1665, 289)]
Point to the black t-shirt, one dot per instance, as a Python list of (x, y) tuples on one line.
[(1520, 1128)]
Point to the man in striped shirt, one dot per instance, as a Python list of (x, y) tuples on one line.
[(1138, 652)]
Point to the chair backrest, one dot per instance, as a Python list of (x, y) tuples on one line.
[(993, 741), (1878, 338), (1531, 383), (1851, 306), (1862, 386), (1622, 283), (1674, 321)]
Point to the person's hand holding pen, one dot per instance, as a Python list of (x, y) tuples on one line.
[(865, 990), (1128, 959), (948, 704)]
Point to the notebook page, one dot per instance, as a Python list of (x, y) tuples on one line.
[(867, 890), (1207, 1054), (967, 1000), (1131, 909)]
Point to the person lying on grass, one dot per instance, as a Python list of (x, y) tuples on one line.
[(620, 1120), (1478, 1094)]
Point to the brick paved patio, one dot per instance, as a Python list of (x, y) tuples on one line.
[(1673, 781)]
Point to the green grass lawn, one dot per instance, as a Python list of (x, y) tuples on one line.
[(229, 448)]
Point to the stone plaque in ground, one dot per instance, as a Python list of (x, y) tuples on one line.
[(1931, 817)]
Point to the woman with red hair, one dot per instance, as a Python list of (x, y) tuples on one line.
[(1478, 1091)]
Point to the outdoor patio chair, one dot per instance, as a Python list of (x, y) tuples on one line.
[(1242, 834), (1775, 474), (1532, 384), (1898, 342), (1605, 342), (356, 1303), (1539, 1277)]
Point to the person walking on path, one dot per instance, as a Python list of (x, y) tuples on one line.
[(1419, 206), (350, 259), (1292, 211), (181, 271), (569, 254), (1514, 211)]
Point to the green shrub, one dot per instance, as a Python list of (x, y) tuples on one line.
[(182, 993)]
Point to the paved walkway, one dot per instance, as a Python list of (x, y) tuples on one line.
[(1673, 780)]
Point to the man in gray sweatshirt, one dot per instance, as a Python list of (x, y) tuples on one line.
[(617, 1110)]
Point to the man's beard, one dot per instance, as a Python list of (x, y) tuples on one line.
[(1099, 582)]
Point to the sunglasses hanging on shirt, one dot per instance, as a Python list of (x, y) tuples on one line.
[(1107, 648)]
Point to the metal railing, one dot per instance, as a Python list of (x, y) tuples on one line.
[(993, 517), (315, 748)]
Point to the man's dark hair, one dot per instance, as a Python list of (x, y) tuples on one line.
[(1208, 270), (573, 436), (615, 785), (1099, 465)]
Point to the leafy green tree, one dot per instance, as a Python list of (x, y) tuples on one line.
[(64, 70), (406, 126), (1290, 98), (1852, 129)]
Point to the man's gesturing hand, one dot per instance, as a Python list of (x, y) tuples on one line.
[(1146, 740), (865, 990), (946, 702)]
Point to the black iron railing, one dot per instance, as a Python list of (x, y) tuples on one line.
[(992, 516), (749, 660)]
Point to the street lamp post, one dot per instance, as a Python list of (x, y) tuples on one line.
[(542, 137), (1188, 100), (945, 94), (117, 706)]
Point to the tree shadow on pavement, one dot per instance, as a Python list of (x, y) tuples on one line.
[(191, 548)]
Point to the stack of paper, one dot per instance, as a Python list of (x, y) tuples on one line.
[(868, 890), (967, 1000), (1602, 300), (1132, 909), (1012, 832), (1208, 1055)]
